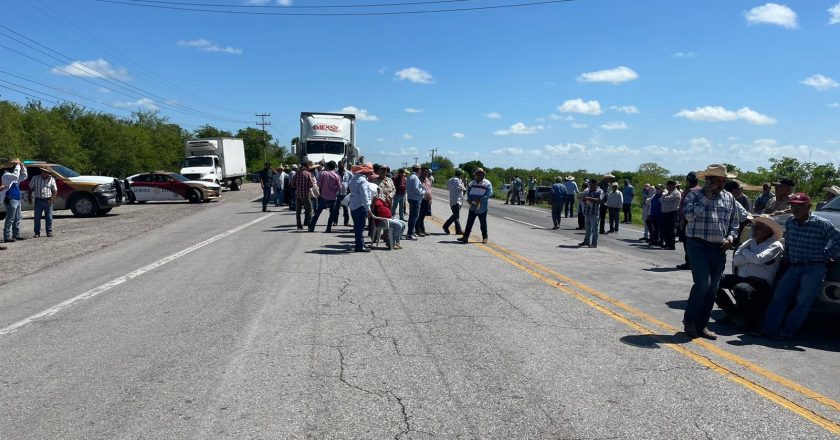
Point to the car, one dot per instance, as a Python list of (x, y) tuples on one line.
[(168, 186), (506, 190), (543, 194), (85, 196)]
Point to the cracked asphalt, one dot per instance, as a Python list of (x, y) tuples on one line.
[(271, 333)]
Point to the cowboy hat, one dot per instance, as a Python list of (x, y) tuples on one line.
[(609, 176), (769, 222), (833, 189), (716, 170), (570, 177)]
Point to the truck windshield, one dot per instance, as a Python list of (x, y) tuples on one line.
[(191, 162), (64, 171), (324, 147)]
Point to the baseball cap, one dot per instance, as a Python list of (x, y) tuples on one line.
[(800, 199), (785, 181)]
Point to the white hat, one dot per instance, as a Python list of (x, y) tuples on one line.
[(833, 189), (716, 170), (772, 224)]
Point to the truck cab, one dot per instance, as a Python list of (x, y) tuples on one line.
[(203, 168), (326, 137)]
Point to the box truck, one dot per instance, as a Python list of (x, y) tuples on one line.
[(218, 160), (326, 137)]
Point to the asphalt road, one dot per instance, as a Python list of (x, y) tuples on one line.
[(229, 323)]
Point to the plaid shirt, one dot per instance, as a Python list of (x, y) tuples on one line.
[(813, 241), (713, 220), (302, 184), (671, 201), (591, 208)]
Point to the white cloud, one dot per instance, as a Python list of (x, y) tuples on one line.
[(144, 103), (720, 114), (615, 76), (206, 45), (361, 114), (834, 11), (772, 13), (519, 128), (580, 106), (509, 151), (413, 110), (380, 139), (614, 126), (458, 135), (834, 105), (415, 75), (407, 136), (820, 82), (688, 54), (579, 125), (493, 115), (92, 69), (629, 109)]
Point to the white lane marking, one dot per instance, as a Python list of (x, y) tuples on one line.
[(541, 211), (117, 281), (524, 223)]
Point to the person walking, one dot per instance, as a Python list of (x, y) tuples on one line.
[(571, 196), (414, 193), (456, 188), (558, 201), (279, 183), (266, 182), (532, 190), (712, 228), (615, 201), (14, 172), (811, 242), (670, 203), (303, 195), (360, 202), (628, 193), (479, 192), (44, 188), (591, 199), (329, 185)]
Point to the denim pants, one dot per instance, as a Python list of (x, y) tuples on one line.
[(43, 208), (359, 217), (557, 210), (482, 221), (628, 212), (396, 229), (266, 196), (11, 227), (278, 196), (799, 286), (342, 207), (413, 213), (454, 218), (708, 262), (591, 222), (614, 219), (398, 205), (322, 205), (570, 205)]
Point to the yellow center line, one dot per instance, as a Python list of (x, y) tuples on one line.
[(808, 414)]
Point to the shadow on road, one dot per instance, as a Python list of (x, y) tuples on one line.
[(569, 246), (679, 304), (655, 341), (662, 269)]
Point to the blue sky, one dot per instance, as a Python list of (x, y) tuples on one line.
[(595, 84)]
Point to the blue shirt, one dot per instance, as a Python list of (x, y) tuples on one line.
[(592, 208), (713, 220), (571, 187), (558, 192), (628, 192), (360, 195), (413, 189), (812, 241)]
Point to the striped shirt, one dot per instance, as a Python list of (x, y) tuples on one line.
[(813, 241), (713, 220), (302, 184), (43, 188), (671, 201)]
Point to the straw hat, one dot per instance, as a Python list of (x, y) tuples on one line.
[(570, 177), (772, 224), (609, 176), (833, 189), (716, 170)]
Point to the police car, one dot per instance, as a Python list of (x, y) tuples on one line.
[(167, 186)]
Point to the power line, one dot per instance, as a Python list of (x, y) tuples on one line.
[(369, 5), (337, 14)]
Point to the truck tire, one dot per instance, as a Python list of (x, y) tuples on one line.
[(103, 211), (194, 196), (83, 205), (236, 184)]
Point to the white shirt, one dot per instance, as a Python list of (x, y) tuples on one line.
[(18, 174), (751, 259), (360, 195), (456, 191)]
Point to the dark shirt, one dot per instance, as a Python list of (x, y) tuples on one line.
[(267, 177), (399, 183)]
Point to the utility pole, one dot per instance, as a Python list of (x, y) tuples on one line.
[(432, 153), (415, 160), (263, 123)]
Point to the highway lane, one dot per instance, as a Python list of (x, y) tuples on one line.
[(267, 332)]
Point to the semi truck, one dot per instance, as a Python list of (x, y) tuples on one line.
[(217, 160), (326, 137)]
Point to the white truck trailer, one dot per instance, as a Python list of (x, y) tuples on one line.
[(218, 160), (326, 137)]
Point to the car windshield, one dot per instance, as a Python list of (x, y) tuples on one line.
[(833, 205), (64, 171), (197, 162), (324, 147), (177, 176)]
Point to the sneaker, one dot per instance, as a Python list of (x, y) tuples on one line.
[(49, 234), (19, 238), (446, 231), (582, 244), (36, 236), (8, 240), (463, 239), (593, 246), (555, 227), (484, 240), (706, 334)]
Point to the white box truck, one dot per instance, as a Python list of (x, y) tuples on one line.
[(219, 160), (326, 137)]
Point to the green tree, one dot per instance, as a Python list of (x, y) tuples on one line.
[(208, 131), (471, 166)]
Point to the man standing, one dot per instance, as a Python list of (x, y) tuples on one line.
[(45, 190), (266, 182), (763, 198), (571, 196), (303, 197), (532, 190), (628, 193), (691, 184), (329, 184), (615, 200), (591, 202), (346, 176), (810, 243), (670, 202), (414, 194), (456, 188), (780, 203), (360, 201), (14, 172), (398, 205), (516, 189), (293, 194), (479, 192), (712, 228), (558, 200), (605, 184), (279, 182)]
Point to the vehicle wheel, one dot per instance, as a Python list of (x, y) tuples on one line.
[(83, 205), (194, 196), (101, 212), (236, 185)]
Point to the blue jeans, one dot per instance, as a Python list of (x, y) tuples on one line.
[(266, 196), (707, 264), (11, 227), (413, 213), (799, 286), (570, 205), (322, 205), (557, 210), (359, 217), (339, 206), (278, 196), (398, 203), (591, 222), (43, 208)]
